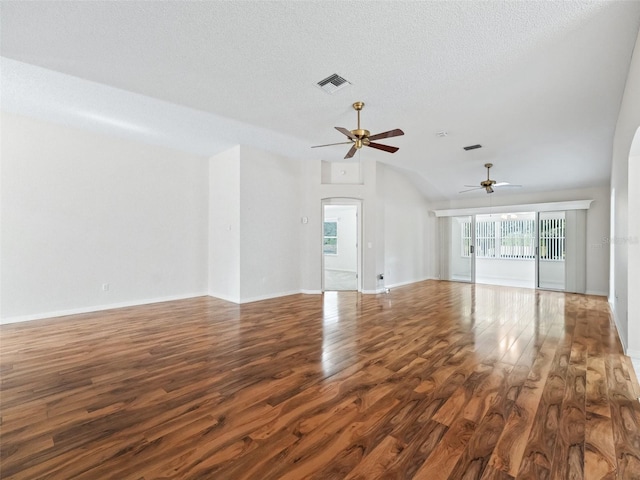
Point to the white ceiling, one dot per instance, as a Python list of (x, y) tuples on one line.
[(538, 84)]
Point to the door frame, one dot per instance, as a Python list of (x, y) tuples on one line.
[(346, 201), (538, 287)]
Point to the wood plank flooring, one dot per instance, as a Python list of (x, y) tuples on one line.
[(436, 380)]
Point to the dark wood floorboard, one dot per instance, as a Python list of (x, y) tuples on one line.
[(436, 380)]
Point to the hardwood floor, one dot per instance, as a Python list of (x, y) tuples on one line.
[(436, 380)]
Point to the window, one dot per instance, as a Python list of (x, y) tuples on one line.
[(486, 239), (465, 229), (552, 239), (330, 239), (504, 238), (517, 239)]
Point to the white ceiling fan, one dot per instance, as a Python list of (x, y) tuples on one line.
[(489, 184)]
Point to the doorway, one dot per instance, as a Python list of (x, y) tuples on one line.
[(340, 245), (506, 249), (551, 273), (520, 249)]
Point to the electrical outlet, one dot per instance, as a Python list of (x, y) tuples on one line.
[(105, 287)]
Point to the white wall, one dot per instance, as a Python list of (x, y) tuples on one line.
[(224, 225), (399, 237), (270, 228), (624, 184), (521, 272), (633, 256), (311, 231), (255, 228), (341, 173), (81, 209), (313, 192), (405, 218)]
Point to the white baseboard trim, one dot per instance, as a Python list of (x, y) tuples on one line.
[(97, 308), (222, 296), (374, 292), (254, 299), (617, 324), (634, 354), (258, 298), (311, 292), (598, 293), (402, 284), (269, 296)]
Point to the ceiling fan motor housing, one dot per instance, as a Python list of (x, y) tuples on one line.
[(361, 132), (361, 137)]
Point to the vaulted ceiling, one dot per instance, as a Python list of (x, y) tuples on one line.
[(538, 84)]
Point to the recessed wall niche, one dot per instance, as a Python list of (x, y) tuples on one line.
[(341, 173)]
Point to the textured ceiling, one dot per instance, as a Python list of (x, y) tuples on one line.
[(538, 84)]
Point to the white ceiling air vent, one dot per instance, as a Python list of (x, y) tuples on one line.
[(333, 83)]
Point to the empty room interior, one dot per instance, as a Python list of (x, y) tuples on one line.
[(320, 240)]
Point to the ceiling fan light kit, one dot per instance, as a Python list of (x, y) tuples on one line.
[(361, 137)]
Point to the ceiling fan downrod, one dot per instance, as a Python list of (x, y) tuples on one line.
[(360, 134)]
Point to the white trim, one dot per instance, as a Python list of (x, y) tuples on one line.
[(402, 284), (618, 329), (598, 293), (529, 207), (311, 292), (634, 354), (97, 308), (222, 296), (269, 296)]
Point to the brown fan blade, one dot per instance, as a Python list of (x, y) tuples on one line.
[(346, 132), (391, 133), (351, 152), (386, 148), (330, 144)]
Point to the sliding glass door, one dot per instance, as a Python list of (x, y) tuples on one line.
[(551, 271), (458, 240), (544, 250)]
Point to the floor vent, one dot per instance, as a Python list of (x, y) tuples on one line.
[(333, 83)]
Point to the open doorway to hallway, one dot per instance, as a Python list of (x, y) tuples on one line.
[(340, 247)]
